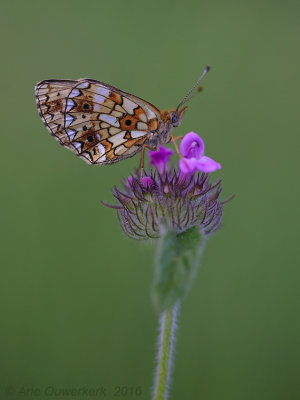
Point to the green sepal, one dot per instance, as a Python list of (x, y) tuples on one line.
[(177, 259)]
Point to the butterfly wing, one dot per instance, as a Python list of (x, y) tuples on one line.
[(98, 122)]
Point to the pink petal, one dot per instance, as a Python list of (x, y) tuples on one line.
[(207, 164), (192, 146), (188, 166), (160, 158)]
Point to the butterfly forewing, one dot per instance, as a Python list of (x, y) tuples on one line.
[(100, 123)]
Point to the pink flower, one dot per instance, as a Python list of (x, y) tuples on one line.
[(160, 158), (192, 150)]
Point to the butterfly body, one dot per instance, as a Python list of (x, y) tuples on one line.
[(101, 123)]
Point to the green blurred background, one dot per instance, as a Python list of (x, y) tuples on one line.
[(74, 298)]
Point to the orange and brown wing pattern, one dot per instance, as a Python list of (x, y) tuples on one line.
[(51, 102), (100, 123)]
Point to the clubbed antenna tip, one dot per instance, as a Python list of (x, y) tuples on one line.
[(186, 97)]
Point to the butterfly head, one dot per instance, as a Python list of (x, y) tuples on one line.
[(176, 116)]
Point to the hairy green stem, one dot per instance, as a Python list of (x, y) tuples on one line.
[(165, 352), (178, 259)]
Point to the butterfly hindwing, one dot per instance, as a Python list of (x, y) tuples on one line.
[(100, 123), (51, 100)]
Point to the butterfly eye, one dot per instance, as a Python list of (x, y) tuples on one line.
[(174, 117)]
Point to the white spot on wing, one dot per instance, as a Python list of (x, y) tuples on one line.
[(101, 159), (129, 105), (99, 99), (143, 117), (69, 119), (70, 104), (150, 113), (78, 146), (71, 133), (110, 120), (104, 92), (74, 93), (136, 134), (83, 85), (143, 126), (101, 149)]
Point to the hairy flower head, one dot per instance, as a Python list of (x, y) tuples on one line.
[(175, 199), (147, 205)]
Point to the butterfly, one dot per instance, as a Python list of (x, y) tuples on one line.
[(102, 124)]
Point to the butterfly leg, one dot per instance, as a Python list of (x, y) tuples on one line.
[(142, 160), (173, 139)]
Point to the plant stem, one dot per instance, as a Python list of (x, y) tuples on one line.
[(165, 352)]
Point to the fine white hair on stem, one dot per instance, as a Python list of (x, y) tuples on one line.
[(165, 353)]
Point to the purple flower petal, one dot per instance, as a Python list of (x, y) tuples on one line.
[(188, 166), (207, 164), (192, 149), (192, 146), (160, 158)]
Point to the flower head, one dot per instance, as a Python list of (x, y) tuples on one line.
[(176, 199), (160, 158), (192, 150), (147, 205)]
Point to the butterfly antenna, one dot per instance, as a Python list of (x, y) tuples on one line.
[(196, 84), (199, 89)]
